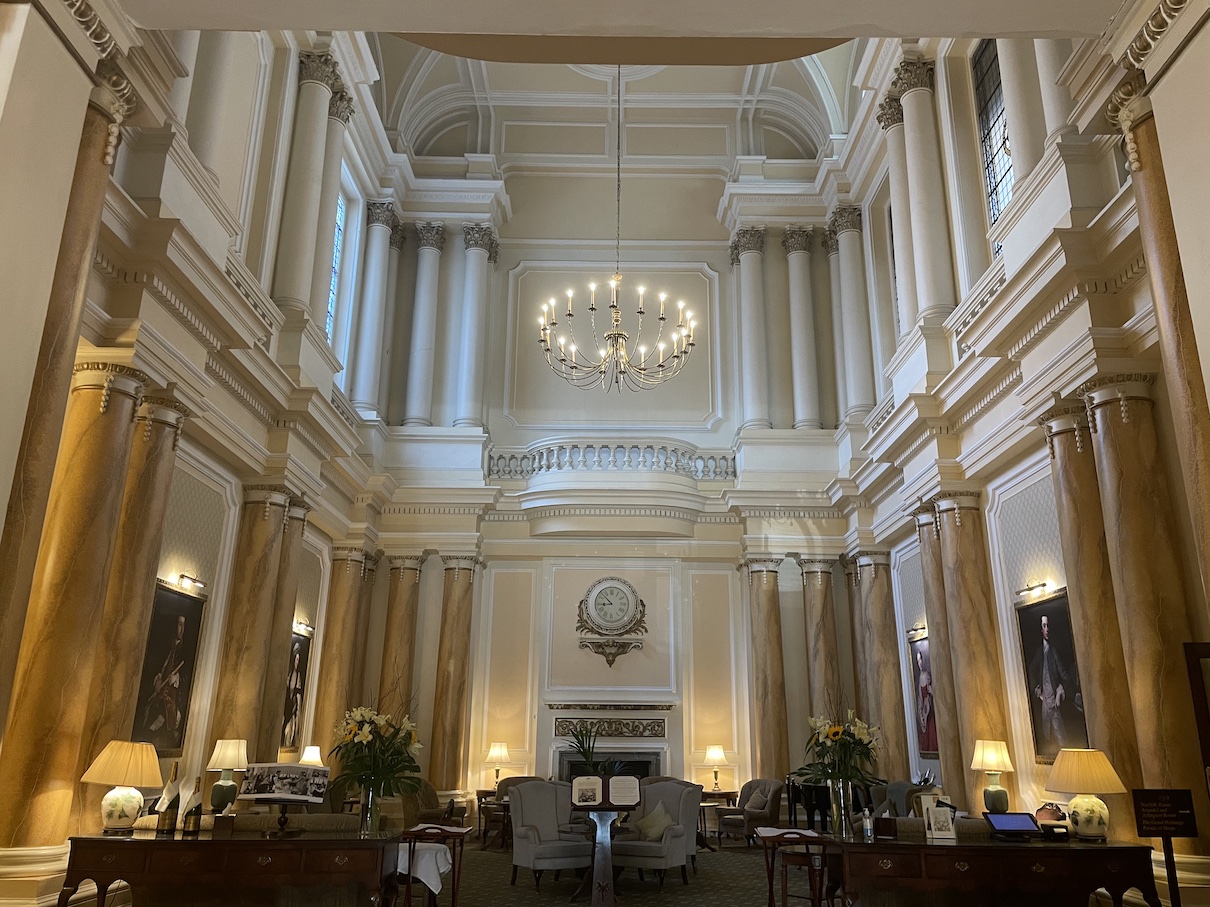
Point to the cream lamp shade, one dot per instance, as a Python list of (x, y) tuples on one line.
[(497, 753), (1084, 773), (716, 757), (127, 766), (311, 756), (991, 756), (228, 756)]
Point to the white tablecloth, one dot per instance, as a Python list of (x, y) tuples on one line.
[(432, 862)]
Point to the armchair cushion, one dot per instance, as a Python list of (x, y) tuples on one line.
[(757, 801), (651, 826)]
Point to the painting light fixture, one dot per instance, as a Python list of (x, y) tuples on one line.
[(187, 582)]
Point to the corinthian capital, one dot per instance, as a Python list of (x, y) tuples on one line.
[(380, 214), (430, 236), (913, 74), (830, 243), (734, 251), (340, 106), (399, 235), (890, 112), (797, 239), (844, 218), (750, 239), (320, 68), (493, 251), (477, 236)]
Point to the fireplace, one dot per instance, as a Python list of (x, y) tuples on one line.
[(640, 763)]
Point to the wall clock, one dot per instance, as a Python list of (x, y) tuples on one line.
[(612, 607)]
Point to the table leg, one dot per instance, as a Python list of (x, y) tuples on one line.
[(770, 867), (66, 893)]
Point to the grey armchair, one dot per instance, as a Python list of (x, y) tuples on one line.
[(759, 804), (537, 842), (679, 841), (493, 816)]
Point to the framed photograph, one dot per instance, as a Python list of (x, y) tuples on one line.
[(284, 781), (939, 822), (586, 791), (1052, 678), (925, 710), (295, 691), (162, 712)]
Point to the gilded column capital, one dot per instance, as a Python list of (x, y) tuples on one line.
[(167, 412), (477, 236), (890, 112), (749, 239), (110, 378), (321, 68), (873, 558), (430, 236), (925, 518), (762, 567), (116, 96), (458, 562), (340, 106), (949, 501), (370, 565), (399, 235), (268, 495), (815, 569), (1116, 390), (830, 243), (1126, 106), (299, 509), (406, 562), (914, 75), (845, 218), (797, 239), (381, 214), (351, 555)]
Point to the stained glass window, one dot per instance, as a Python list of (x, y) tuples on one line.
[(337, 248), (993, 129)]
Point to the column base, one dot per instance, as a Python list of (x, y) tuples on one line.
[(32, 876)]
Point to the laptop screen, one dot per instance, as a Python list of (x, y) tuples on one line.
[(1019, 823)]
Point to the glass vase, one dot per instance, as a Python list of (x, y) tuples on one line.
[(840, 793), (370, 809)]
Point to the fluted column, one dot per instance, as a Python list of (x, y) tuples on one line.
[(209, 96), (49, 708), (770, 736), (890, 118), (468, 410), (333, 686), (1022, 103), (804, 356), (748, 248), (126, 616), (974, 638), (26, 509), (941, 668), (281, 632), (390, 344), (399, 636), (317, 79), (1057, 104), (819, 618), (935, 293), (885, 668), (832, 247), (365, 603), (418, 405), (860, 636), (1148, 583), (246, 635), (855, 310), (340, 111), (447, 764), (1105, 684), (367, 358)]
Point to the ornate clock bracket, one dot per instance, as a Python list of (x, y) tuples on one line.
[(610, 649)]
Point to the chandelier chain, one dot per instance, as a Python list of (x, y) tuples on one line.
[(617, 242)]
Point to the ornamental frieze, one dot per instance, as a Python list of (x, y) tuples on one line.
[(611, 727)]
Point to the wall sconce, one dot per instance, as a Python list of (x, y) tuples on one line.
[(1034, 588), (302, 628), (185, 581), (918, 631)]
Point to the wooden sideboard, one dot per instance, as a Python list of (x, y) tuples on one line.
[(238, 863)]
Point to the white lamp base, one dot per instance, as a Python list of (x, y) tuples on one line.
[(1089, 816), (119, 808)]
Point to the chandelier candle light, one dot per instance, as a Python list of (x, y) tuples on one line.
[(613, 360)]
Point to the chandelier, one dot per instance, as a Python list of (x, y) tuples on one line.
[(613, 359)]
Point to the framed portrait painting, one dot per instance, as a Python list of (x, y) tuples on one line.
[(1052, 677), (295, 691), (166, 683), (925, 710)]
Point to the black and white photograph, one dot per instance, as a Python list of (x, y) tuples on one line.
[(296, 688), (277, 781), (1052, 678), (162, 712), (587, 790)]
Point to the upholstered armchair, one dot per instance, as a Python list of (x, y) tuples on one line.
[(759, 804), (493, 816), (404, 811), (537, 842), (677, 842)]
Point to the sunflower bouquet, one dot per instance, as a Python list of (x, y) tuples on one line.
[(839, 751), (375, 753)]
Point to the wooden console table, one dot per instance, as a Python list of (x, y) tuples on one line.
[(237, 863)]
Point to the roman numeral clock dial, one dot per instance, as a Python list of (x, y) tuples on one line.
[(612, 609)]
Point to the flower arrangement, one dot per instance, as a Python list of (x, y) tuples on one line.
[(840, 751), (375, 753)]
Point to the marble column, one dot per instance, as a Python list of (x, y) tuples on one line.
[(468, 409), (884, 654), (281, 631), (1022, 103), (935, 293), (333, 686), (804, 355), (30, 490), (447, 763), (974, 637), (49, 708), (890, 118), (340, 111), (855, 312), (209, 96), (832, 247), (1185, 387), (246, 634), (1057, 104), (860, 635), (1105, 687), (418, 403), (819, 618), (126, 615), (391, 350), (749, 248), (940, 667), (399, 637), (296, 245), (361, 640), (367, 357), (1148, 584), (770, 735)]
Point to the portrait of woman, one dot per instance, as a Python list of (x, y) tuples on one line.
[(296, 683), (926, 714)]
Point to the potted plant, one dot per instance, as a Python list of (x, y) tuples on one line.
[(375, 753), (839, 754)]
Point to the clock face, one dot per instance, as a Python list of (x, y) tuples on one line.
[(612, 607)]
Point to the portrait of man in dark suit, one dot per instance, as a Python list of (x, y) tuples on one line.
[(1051, 677)]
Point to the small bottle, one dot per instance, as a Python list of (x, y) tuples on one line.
[(193, 816), (165, 823), (867, 826)]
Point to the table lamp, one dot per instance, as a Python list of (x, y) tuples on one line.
[(127, 766), (1083, 774), (991, 756), (715, 757), (229, 756), (497, 754), (311, 756)]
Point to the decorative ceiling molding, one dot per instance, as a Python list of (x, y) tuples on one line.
[(1152, 32), (610, 706)]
